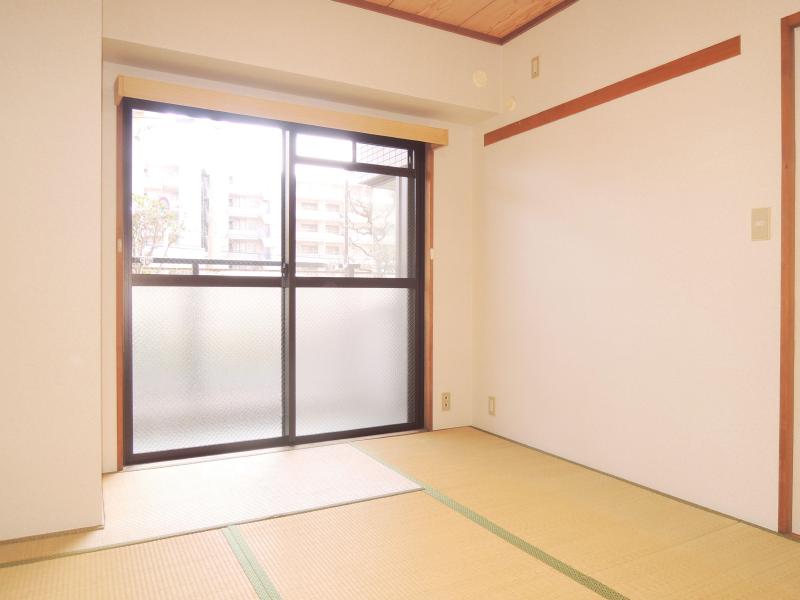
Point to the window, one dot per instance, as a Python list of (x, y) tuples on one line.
[(212, 179), (319, 146), (381, 155), (246, 246), (247, 224), (371, 215), (252, 203), (211, 313)]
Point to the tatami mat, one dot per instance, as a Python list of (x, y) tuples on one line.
[(197, 566), (738, 562), (151, 503), (408, 546), (640, 543), (496, 520)]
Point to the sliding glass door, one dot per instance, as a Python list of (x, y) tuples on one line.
[(273, 289)]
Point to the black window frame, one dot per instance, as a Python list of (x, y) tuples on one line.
[(288, 279)]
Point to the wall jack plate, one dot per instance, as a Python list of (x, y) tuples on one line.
[(491, 405), (446, 399), (760, 224), (534, 67)]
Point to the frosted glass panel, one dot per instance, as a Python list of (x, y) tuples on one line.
[(352, 358), (206, 366)]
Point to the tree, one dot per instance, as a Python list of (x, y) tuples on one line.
[(371, 221), (154, 226)]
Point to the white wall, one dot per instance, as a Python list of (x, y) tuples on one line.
[(377, 62), (453, 268), (318, 39), (624, 319), (453, 265), (49, 236)]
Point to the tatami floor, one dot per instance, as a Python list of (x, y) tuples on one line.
[(477, 517)]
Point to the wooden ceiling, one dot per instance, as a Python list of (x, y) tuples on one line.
[(495, 21)]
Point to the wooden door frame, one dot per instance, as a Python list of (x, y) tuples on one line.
[(428, 277), (120, 286), (787, 341)]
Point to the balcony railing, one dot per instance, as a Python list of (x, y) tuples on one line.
[(196, 262)]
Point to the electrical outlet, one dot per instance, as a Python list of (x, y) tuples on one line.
[(491, 405), (446, 400), (534, 67)]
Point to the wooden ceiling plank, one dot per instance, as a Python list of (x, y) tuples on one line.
[(475, 12), (535, 21), (388, 10), (493, 21), (453, 12), (502, 17)]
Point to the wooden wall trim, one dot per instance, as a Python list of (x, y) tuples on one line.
[(428, 347), (183, 95), (676, 68), (787, 344), (120, 291)]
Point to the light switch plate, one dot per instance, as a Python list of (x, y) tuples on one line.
[(534, 67), (760, 224)]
